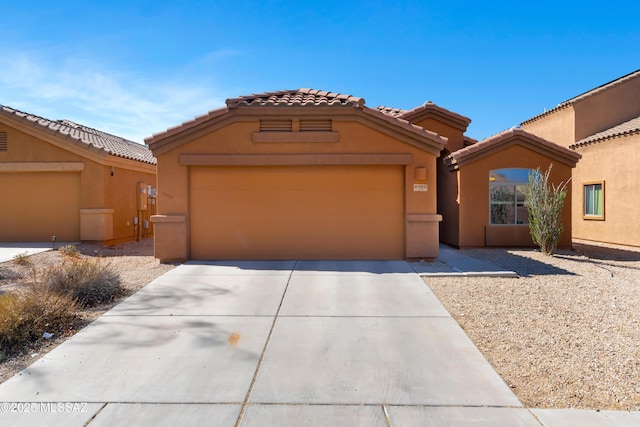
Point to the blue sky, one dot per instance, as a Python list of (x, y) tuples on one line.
[(134, 68)]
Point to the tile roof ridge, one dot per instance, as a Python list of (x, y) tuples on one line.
[(296, 97), (89, 137), (545, 113), (590, 92), (630, 127), (392, 111), (602, 87), (501, 137), (455, 119)]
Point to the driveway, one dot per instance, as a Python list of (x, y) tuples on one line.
[(306, 343), (9, 250)]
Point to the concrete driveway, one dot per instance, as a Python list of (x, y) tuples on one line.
[(305, 343), (9, 250)]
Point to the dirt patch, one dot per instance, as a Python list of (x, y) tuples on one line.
[(566, 334), (133, 261)]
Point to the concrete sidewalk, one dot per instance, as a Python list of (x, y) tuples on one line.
[(273, 344), (453, 263)]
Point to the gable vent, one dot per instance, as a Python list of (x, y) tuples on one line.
[(3, 141), (316, 125), (276, 126)]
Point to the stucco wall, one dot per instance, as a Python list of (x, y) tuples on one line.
[(558, 126), (616, 163), (355, 137), (607, 108), (96, 204), (474, 196)]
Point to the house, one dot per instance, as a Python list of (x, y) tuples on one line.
[(309, 174), (481, 184), (603, 125), (62, 179)]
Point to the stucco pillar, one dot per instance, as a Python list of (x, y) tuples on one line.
[(422, 231), (170, 239)]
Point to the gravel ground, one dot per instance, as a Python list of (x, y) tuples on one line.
[(565, 334), (134, 262)]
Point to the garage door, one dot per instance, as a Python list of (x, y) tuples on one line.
[(297, 212), (36, 206)]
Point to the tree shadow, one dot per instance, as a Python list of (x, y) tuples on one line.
[(524, 266)]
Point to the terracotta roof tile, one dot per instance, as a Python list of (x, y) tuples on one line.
[(296, 97), (110, 144), (506, 137), (627, 128), (390, 111), (428, 107)]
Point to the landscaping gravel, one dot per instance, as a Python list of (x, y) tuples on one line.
[(566, 333), (133, 261)]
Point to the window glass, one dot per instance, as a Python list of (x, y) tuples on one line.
[(507, 189), (593, 200)]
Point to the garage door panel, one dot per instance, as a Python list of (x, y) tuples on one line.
[(39, 205), (297, 213)]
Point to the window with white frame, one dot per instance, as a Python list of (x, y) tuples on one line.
[(594, 200), (507, 188)]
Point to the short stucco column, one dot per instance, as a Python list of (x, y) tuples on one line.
[(170, 237), (423, 236)]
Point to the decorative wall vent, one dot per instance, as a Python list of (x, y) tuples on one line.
[(276, 126), (316, 125), (3, 141)]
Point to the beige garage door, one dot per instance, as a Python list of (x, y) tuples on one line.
[(297, 212), (36, 206)]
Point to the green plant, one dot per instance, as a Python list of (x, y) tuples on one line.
[(22, 258), (544, 204), (69, 250), (26, 314), (89, 282)]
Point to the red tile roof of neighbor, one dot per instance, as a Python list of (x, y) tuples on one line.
[(297, 98), (84, 135), (425, 110), (584, 95), (508, 137), (627, 128)]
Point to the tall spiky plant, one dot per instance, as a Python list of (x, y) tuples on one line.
[(544, 204)]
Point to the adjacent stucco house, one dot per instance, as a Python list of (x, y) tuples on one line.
[(59, 178), (300, 174), (603, 125)]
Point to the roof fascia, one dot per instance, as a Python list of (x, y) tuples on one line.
[(76, 147), (417, 137), (433, 111), (454, 162)]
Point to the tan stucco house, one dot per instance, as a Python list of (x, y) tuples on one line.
[(603, 125), (308, 174), (62, 179)]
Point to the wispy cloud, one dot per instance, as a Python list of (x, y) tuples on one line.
[(120, 102)]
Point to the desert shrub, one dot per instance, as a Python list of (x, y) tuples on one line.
[(22, 259), (26, 314), (89, 282), (544, 203), (69, 250)]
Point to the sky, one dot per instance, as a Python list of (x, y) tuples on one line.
[(135, 68)]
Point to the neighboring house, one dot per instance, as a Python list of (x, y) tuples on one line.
[(307, 174), (603, 125), (62, 179)]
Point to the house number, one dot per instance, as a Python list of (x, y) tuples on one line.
[(419, 187)]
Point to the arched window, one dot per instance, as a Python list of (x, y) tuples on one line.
[(507, 189)]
